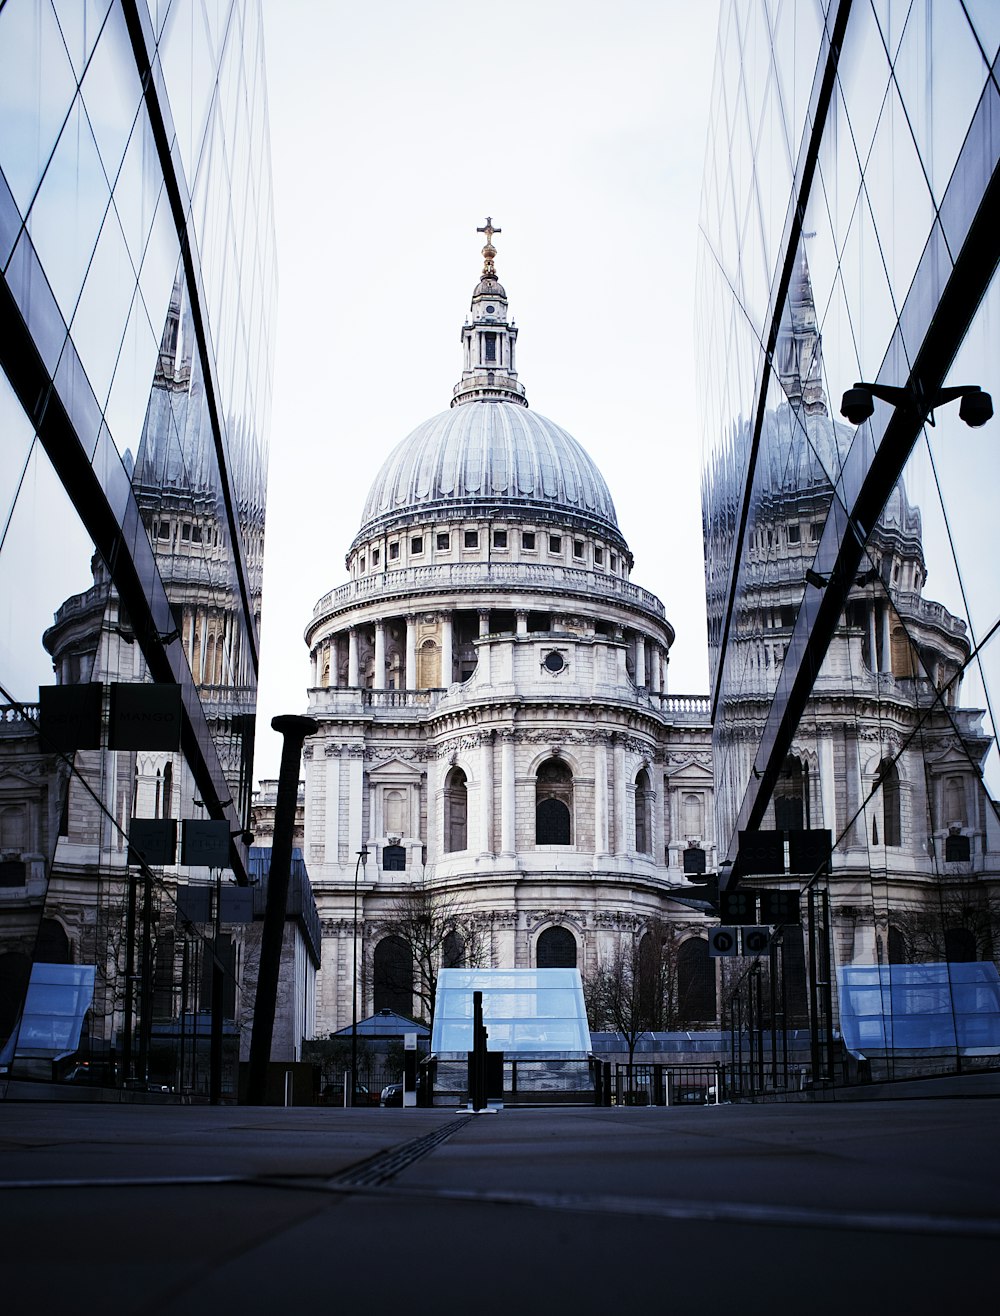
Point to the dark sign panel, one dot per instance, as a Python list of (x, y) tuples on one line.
[(145, 717), (152, 841), (70, 716), (761, 852), (205, 844)]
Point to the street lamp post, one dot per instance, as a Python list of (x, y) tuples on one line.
[(362, 860)]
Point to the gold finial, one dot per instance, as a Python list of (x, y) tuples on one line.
[(489, 251)]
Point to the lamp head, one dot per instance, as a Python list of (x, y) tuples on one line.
[(857, 405), (976, 407)]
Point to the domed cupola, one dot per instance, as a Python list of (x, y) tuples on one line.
[(488, 373)]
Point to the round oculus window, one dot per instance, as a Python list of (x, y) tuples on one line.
[(490, 310), (554, 662)]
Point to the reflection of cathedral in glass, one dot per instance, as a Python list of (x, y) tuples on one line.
[(134, 506), (850, 615)]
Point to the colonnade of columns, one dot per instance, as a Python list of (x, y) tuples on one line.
[(650, 658)]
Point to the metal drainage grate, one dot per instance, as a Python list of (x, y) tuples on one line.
[(385, 1165)]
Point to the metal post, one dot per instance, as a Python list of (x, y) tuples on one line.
[(294, 729), (129, 980), (146, 978), (362, 860), (218, 986)]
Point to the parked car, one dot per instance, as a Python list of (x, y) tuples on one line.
[(392, 1093)]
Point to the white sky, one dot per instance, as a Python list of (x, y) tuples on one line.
[(395, 129)]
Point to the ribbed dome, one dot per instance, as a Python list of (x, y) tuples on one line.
[(494, 454)]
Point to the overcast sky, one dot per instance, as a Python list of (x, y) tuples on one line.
[(395, 129)]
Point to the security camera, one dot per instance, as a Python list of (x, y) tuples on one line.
[(976, 407), (857, 405)]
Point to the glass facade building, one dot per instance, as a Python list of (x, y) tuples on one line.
[(137, 251), (849, 233)]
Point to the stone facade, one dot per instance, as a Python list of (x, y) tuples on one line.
[(492, 692)]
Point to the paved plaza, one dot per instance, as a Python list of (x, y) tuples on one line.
[(886, 1206)]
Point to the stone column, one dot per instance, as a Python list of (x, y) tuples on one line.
[(601, 794), (410, 675), (379, 681), (655, 669), (827, 784), (484, 621), (335, 662), (447, 654), (640, 659), (486, 795), (314, 668), (353, 676), (618, 786), (355, 800), (508, 796), (522, 622), (886, 664), (872, 641), (332, 838)]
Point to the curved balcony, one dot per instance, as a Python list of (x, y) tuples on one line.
[(446, 577)]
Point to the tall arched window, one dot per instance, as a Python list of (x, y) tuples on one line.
[(429, 666), (643, 814), (693, 815), (695, 982), (553, 803), (168, 791), (651, 981), (791, 796), (888, 778), (453, 951), (959, 946), (393, 976), (456, 812), (897, 946), (556, 949), (954, 801)]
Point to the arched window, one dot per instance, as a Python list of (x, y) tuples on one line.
[(651, 981), (429, 666), (791, 796), (168, 791), (888, 779), (556, 949), (959, 946), (393, 859), (456, 812), (695, 982), (553, 803), (14, 827), (902, 657), (393, 976), (394, 813), (897, 946), (954, 801), (52, 944), (693, 815), (643, 828), (453, 951)]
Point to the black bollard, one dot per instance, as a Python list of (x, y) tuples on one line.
[(294, 729)]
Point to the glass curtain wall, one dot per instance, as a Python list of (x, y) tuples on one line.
[(136, 244), (849, 233)]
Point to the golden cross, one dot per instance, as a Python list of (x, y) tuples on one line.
[(489, 230)]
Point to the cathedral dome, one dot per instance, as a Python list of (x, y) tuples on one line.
[(490, 455)]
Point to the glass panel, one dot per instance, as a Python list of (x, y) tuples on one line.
[(66, 218), (36, 88)]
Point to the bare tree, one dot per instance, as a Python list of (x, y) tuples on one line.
[(615, 998), (439, 932)]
